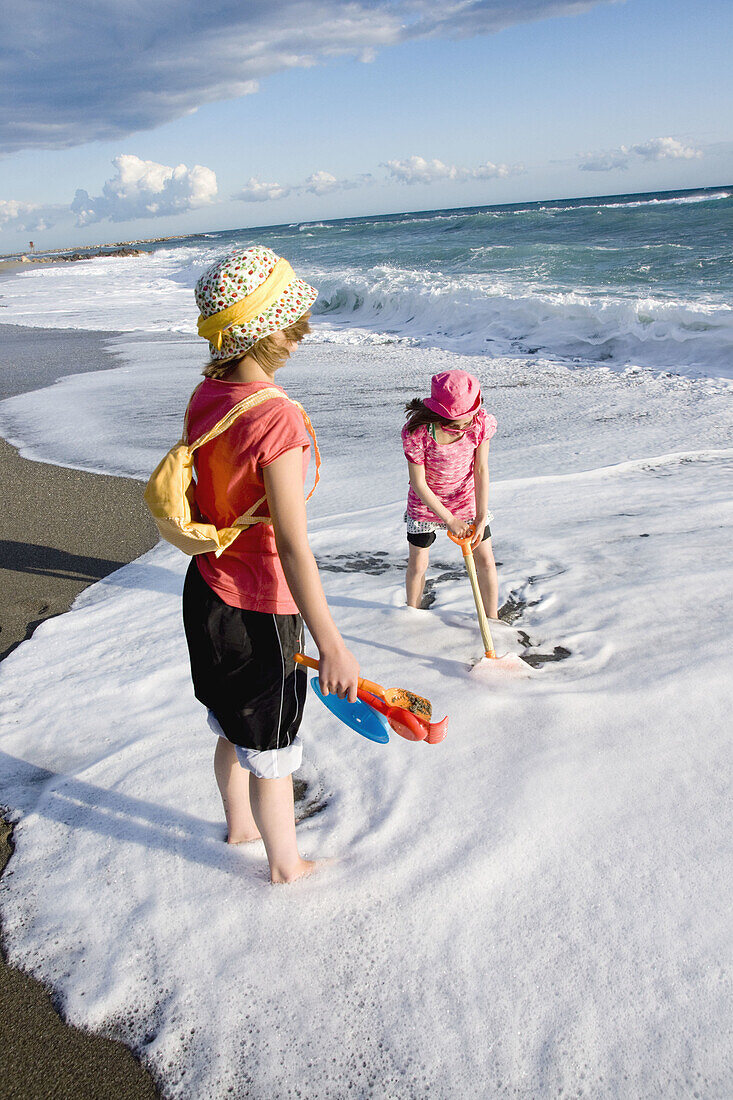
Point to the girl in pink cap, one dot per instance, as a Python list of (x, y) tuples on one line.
[(446, 443)]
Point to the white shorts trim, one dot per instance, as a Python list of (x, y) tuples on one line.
[(268, 764), (428, 527)]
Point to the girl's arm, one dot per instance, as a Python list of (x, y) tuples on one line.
[(339, 669), (481, 489), (458, 527)]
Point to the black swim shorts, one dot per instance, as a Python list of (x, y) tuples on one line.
[(242, 667), (427, 538)]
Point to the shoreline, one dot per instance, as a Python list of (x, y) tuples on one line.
[(62, 530)]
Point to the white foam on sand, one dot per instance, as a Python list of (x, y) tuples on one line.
[(535, 907), (552, 418)]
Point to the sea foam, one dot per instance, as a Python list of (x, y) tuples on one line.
[(507, 914)]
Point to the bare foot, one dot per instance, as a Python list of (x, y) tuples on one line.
[(302, 869)]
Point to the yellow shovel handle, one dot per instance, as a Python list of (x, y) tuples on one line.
[(483, 622)]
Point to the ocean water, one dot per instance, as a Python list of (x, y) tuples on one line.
[(640, 280), (535, 907)]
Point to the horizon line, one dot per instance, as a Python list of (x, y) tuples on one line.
[(367, 217)]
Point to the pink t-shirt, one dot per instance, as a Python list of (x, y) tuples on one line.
[(448, 467), (229, 480)]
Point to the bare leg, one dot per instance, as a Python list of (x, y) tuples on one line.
[(233, 782), (273, 809), (488, 581), (417, 565)]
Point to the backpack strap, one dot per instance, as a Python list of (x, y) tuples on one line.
[(247, 518), (226, 421), (184, 437), (316, 453)]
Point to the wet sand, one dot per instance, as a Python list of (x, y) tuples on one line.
[(60, 530)]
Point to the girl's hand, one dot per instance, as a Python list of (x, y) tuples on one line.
[(459, 527), (338, 673), (478, 534)]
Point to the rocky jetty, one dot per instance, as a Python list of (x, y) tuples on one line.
[(70, 257)]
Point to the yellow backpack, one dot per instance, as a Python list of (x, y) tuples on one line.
[(170, 492)]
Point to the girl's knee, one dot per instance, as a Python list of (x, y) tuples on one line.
[(484, 554), (416, 572), (417, 565), (419, 558)]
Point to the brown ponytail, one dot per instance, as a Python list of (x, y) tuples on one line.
[(267, 351), (419, 414)]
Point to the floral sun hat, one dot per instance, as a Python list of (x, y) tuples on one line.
[(247, 295)]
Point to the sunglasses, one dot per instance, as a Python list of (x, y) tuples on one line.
[(458, 431)]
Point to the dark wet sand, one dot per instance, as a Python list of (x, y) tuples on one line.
[(60, 530)]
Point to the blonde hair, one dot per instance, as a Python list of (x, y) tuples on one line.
[(267, 351)]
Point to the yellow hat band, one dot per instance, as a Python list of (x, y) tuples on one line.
[(246, 309)]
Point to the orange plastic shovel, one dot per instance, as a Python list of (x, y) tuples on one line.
[(407, 713)]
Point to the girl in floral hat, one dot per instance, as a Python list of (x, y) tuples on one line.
[(242, 606), (446, 443)]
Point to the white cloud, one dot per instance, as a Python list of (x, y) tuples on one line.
[(411, 170), (665, 148), (416, 169), (322, 183), (257, 190), (661, 148), (419, 170), (145, 189), (70, 74), (318, 183), (23, 216), (491, 171), (604, 162)]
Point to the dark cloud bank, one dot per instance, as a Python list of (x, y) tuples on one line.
[(79, 72)]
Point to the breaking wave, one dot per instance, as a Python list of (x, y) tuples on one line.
[(478, 315)]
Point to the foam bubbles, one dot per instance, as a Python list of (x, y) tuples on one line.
[(504, 915)]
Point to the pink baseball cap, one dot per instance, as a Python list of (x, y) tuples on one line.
[(454, 394)]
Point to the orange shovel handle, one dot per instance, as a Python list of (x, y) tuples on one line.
[(373, 689), (465, 544), (301, 659), (365, 685)]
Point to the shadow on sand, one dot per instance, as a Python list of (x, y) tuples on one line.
[(74, 802)]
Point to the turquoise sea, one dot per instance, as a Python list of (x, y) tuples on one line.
[(625, 279)]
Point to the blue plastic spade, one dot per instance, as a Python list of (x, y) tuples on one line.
[(358, 716)]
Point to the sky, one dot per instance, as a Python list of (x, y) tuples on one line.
[(127, 120)]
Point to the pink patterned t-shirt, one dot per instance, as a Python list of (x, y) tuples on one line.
[(448, 467)]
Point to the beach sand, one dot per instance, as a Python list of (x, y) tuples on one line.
[(60, 530)]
